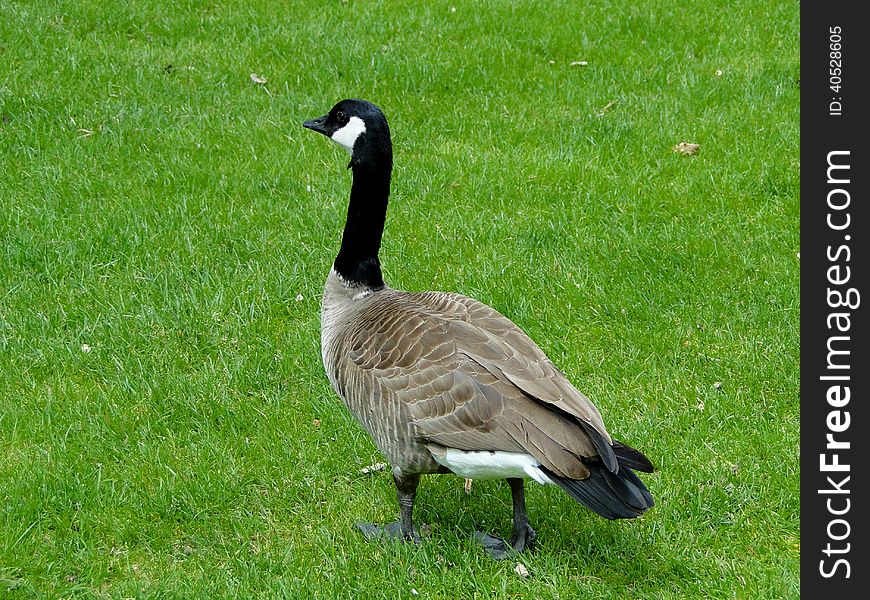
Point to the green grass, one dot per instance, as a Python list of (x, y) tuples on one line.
[(163, 210)]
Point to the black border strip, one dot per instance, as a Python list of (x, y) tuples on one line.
[(834, 301)]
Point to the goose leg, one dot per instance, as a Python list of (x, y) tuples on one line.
[(403, 530), (523, 534)]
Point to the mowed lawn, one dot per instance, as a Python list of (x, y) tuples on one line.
[(166, 225)]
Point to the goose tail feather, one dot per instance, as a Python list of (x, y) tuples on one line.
[(619, 495)]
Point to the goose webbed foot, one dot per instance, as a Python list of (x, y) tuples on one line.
[(523, 536), (403, 530), (391, 532), (500, 549)]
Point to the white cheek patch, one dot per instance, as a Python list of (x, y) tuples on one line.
[(346, 136)]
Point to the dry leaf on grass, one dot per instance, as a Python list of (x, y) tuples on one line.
[(468, 486), (373, 468), (687, 148), (607, 107), (257, 79), (521, 570)]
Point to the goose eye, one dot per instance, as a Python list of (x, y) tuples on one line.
[(340, 116)]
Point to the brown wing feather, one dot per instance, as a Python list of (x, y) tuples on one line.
[(500, 346), (466, 377)]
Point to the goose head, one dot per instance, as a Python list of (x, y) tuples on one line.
[(359, 127)]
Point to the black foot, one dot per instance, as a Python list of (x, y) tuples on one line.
[(392, 532), (500, 549), (495, 547)]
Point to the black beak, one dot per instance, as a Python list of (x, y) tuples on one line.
[(316, 124)]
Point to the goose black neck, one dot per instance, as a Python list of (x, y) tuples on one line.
[(357, 261)]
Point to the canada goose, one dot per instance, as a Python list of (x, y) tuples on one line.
[(446, 384)]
